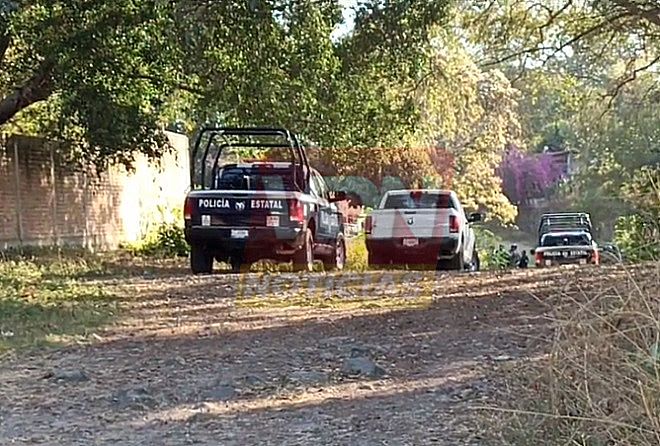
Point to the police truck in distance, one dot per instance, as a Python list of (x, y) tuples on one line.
[(253, 197), (566, 238)]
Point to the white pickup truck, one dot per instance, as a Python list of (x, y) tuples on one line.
[(422, 227)]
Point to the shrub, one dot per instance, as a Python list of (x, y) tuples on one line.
[(638, 238), (638, 235), (600, 384), (165, 240), (487, 245), (357, 256)]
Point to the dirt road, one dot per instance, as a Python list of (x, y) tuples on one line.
[(368, 359)]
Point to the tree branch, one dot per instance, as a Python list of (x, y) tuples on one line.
[(563, 46), (650, 15), (515, 55), (37, 89), (632, 77), (5, 40), (180, 85)]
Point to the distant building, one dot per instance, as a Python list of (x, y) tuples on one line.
[(563, 159)]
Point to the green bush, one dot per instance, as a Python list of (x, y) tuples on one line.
[(356, 255), (638, 238), (44, 300), (487, 245), (165, 240)]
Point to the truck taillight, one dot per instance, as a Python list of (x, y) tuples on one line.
[(368, 224), (188, 209), (539, 257), (453, 224), (296, 211)]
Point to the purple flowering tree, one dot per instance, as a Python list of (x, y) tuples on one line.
[(528, 175)]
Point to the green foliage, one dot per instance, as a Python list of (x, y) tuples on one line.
[(104, 70), (164, 240), (44, 302), (638, 238), (357, 255), (638, 235), (488, 244)]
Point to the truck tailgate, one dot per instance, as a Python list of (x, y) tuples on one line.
[(241, 208), (415, 223), (566, 254)]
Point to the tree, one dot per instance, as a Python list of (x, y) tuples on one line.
[(87, 70), (526, 176), (473, 113), (520, 34)]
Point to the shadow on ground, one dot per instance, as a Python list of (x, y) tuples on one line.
[(202, 369)]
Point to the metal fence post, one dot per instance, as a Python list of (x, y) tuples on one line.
[(19, 207), (54, 195)]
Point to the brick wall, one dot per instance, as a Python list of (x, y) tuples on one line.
[(44, 202)]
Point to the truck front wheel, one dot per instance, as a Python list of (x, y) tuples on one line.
[(201, 262), (303, 259), (338, 259)]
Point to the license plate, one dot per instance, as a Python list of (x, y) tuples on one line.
[(273, 220), (206, 220), (548, 262), (239, 233), (410, 242), (583, 261)]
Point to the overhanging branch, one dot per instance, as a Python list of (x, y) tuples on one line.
[(630, 78), (37, 89), (179, 85), (650, 15), (557, 49)]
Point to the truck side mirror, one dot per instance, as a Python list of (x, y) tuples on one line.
[(474, 217), (337, 196)]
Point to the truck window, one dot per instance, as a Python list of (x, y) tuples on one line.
[(565, 240), (318, 186), (253, 178), (421, 200)]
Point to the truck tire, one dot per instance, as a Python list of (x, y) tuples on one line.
[(200, 261), (239, 266), (457, 263), (476, 263), (338, 260), (303, 259)]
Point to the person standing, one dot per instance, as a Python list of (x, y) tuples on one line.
[(514, 256)]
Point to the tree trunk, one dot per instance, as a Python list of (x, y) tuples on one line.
[(35, 90), (5, 40)]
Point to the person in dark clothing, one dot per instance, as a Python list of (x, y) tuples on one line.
[(514, 256), (524, 260)]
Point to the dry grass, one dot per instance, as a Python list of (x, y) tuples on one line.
[(600, 384)]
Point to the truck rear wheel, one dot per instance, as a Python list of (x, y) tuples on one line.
[(239, 266), (303, 259), (201, 262), (457, 263), (476, 263), (338, 259)]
